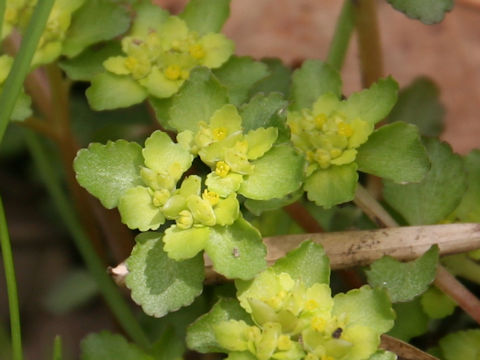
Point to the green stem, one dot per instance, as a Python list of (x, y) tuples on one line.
[(57, 348), (369, 47), (66, 212), (21, 65), (11, 287), (341, 37)]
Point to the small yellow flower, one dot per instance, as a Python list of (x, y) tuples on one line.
[(219, 133), (284, 343), (160, 197), (222, 169), (197, 51), (344, 129), (319, 323), (211, 196), (173, 72), (185, 219)]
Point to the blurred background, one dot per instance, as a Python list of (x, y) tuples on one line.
[(58, 297)]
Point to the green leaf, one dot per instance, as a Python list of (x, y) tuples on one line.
[(257, 207), (206, 16), (372, 104), (428, 12), (312, 80), (469, 208), (394, 152), (90, 62), (376, 310), (332, 186), (200, 96), (238, 75), (169, 346), (109, 91), (200, 335), (277, 81), (106, 171), (148, 17), (96, 21), (236, 251), (463, 345), (105, 345), (158, 283), (276, 174), (419, 104), (307, 263), (404, 281), (411, 320), (265, 111), (437, 304), (439, 193)]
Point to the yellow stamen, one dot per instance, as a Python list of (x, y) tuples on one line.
[(319, 323), (311, 305), (197, 51), (344, 129), (219, 133), (131, 63), (160, 197), (172, 72), (222, 169), (211, 196)]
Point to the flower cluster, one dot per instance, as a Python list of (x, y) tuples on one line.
[(292, 321), (326, 135), (160, 58), (18, 14), (222, 145)]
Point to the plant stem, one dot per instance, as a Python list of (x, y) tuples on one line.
[(108, 289), (21, 65), (2, 14), (11, 287), (444, 280), (57, 348), (370, 50), (341, 37)]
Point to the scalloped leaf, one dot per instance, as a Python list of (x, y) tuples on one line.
[(109, 91), (106, 345), (265, 111), (200, 335), (411, 320), (376, 309), (437, 304), (383, 355), (277, 81), (159, 284), (394, 152), (419, 104), (437, 195), (97, 20), (308, 263), (90, 62), (312, 80), (237, 251), (332, 186), (276, 174), (206, 16), (429, 12), (200, 96), (404, 281), (238, 75), (107, 171), (463, 345), (257, 207), (372, 104)]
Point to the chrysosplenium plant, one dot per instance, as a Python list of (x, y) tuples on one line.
[(237, 138)]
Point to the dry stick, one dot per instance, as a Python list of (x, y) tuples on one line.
[(444, 280)]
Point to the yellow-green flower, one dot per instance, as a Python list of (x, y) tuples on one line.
[(160, 58), (222, 145)]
